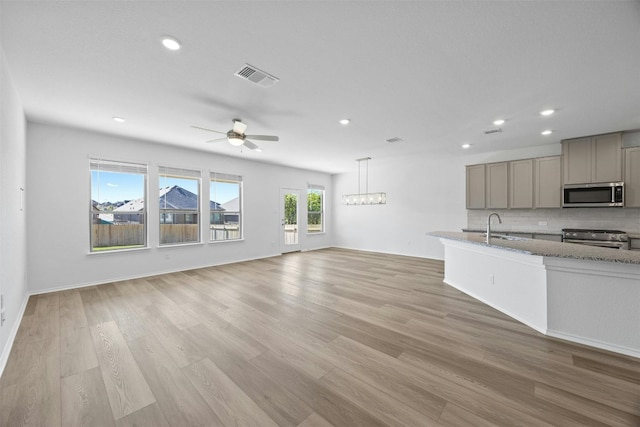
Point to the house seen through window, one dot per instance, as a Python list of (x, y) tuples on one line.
[(118, 208), (225, 221), (179, 205)]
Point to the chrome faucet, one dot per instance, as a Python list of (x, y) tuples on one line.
[(489, 225)]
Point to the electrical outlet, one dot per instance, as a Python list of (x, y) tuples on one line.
[(2, 315)]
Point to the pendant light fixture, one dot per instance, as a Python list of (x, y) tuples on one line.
[(365, 198)]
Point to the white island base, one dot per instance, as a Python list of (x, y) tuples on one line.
[(596, 303)]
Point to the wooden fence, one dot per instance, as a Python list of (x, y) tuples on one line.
[(178, 233), (112, 235), (107, 235)]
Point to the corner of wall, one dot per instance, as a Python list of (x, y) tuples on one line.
[(13, 253)]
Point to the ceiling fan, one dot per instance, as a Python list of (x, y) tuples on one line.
[(237, 137)]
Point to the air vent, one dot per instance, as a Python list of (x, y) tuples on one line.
[(254, 75), (394, 139), (490, 131)]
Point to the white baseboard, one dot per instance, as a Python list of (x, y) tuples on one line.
[(4, 357), (593, 343), (142, 276)]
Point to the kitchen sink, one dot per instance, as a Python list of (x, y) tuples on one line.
[(505, 237)]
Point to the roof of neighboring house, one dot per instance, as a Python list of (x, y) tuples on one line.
[(174, 197)]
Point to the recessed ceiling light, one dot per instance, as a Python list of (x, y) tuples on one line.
[(498, 122), (345, 121), (171, 43), (547, 112), (259, 150), (118, 119), (465, 146), (547, 132)]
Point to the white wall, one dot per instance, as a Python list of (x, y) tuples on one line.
[(423, 194), (13, 261), (59, 181)]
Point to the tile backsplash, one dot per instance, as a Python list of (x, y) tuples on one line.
[(554, 220)]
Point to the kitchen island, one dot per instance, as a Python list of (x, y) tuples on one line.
[(580, 293)]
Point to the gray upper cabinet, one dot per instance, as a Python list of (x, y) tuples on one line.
[(521, 184), (475, 187), (632, 177), (547, 182), (592, 159), (496, 185)]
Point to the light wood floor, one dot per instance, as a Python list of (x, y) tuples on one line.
[(329, 337)]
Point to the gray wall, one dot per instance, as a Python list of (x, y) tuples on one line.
[(58, 233)]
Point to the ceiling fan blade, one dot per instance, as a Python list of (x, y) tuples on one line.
[(250, 145), (264, 137), (239, 127), (216, 140), (208, 130)]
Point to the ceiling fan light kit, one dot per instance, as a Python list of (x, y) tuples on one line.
[(237, 137), (365, 198)]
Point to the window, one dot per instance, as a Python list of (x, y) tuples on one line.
[(179, 205), (315, 209), (226, 207), (118, 208)]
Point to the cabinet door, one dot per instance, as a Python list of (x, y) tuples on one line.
[(475, 187), (548, 182), (607, 158), (577, 159), (496, 185), (521, 184), (632, 177)]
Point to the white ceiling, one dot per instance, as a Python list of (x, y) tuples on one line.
[(434, 73)]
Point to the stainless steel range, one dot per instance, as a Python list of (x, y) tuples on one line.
[(614, 239)]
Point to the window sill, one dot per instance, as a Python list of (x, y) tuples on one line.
[(316, 233), (179, 245), (214, 242), (118, 251)]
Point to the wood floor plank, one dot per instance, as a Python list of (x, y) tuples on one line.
[(183, 351), (373, 400), (126, 387), (227, 400), (77, 351), (128, 321), (276, 340), (178, 399), (325, 401), (149, 416), (280, 404), (72, 313), (455, 416), (590, 408), (623, 373), (315, 420), (95, 308), (84, 400), (36, 398)]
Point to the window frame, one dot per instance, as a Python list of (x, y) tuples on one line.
[(187, 174), (215, 177), (124, 167), (311, 188)]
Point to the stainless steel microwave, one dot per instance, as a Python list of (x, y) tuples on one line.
[(604, 194)]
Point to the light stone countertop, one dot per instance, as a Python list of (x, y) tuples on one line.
[(548, 233), (545, 248)]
